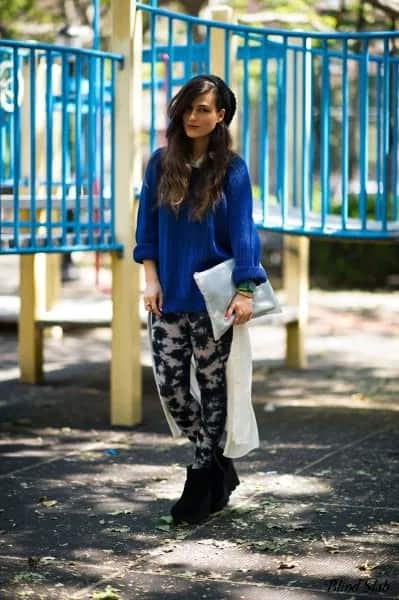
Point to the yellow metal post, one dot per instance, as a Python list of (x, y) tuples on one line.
[(32, 294), (296, 285), (217, 36), (39, 273), (126, 388), (218, 65), (296, 248), (52, 263)]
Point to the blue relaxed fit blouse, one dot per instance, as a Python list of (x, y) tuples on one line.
[(181, 246)]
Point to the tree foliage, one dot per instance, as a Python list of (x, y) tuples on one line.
[(10, 10), (343, 15)]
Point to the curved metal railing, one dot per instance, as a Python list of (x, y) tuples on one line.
[(57, 148), (317, 124), (317, 120)]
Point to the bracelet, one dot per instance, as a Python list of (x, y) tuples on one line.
[(246, 294), (247, 286)]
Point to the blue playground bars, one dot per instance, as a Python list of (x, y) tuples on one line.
[(317, 124), (57, 148), (317, 120)]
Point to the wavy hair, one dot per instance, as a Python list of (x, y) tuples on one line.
[(175, 166)]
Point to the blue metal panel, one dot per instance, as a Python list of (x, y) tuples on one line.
[(16, 145), (86, 104), (312, 157), (91, 134), (294, 122), (344, 137), (77, 103), (153, 64), (379, 129), (304, 91), (395, 140), (64, 144), (385, 138), (245, 109), (325, 137), (363, 131), (78, 148), (101, 175), (264, 135), (32, 114), (282, 134), (49, 144), (112, 200), (156, 54)]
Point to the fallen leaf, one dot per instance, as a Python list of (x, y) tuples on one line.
[(28, 576), (367, 566), (116, 513), (123, 529), (108, 594), (44, 501), (286, 564), (330, 545), (265, 546)]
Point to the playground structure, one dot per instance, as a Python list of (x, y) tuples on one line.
[(71, 154)]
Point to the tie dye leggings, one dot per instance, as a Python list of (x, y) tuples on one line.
[(175, 337)]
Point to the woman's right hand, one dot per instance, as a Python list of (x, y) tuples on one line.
[(153, 298)]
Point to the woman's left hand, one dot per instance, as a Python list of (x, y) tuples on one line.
[(241, 306)]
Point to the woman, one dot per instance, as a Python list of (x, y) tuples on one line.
[(196, 211)]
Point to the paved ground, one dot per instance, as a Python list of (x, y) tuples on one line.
[(84, 507)]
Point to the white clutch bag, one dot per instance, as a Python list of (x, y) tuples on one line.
[(218, 289)]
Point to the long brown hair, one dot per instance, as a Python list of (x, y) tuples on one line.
[(175, 166)]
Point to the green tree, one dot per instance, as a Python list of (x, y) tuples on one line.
[(10, 11)]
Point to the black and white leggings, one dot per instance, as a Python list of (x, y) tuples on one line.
[(175, 337)]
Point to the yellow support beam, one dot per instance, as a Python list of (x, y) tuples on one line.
[(296, 248), (126, 383), (217, 37), (296, 285), (218, 64), (40, 274), (32, 295)]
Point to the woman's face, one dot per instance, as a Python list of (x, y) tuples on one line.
[(201, 118)]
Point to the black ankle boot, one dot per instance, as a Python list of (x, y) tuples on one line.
[(195, 502), (224, 479)]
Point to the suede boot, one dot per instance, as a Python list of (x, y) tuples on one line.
[(195, 502), (224, 479)]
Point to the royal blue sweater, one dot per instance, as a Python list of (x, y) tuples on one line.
[(181, 246)]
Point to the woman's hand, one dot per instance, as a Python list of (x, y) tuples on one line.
[(153, 298), (241, 306)]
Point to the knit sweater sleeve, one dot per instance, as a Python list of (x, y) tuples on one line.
[(244, 237), (147, 217)]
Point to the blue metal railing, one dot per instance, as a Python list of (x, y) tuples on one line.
[(317, 120), (317, 124), (57, 147)]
